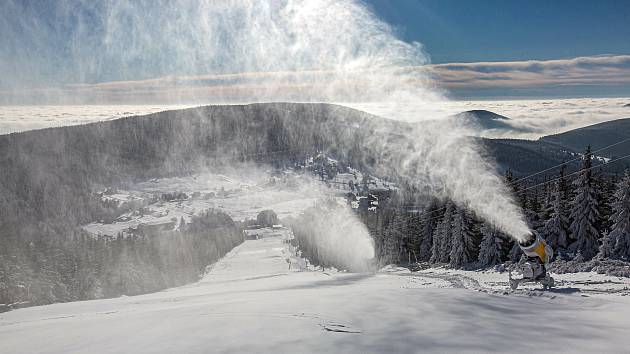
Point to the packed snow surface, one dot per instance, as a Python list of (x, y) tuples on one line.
[(262, 298)]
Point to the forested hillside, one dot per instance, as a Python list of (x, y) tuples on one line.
[(48, 180), (584, 216), (598, 136)]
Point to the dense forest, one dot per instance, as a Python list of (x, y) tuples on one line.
[(83, 266), (584, 216)]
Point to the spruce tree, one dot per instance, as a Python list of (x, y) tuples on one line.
[(414, 237), (491, 248), (463, 242), (555, 229), (546, 208), (428, 224), (607, 247), (442, 237), (393, 237), (585, 212), (620, 232)]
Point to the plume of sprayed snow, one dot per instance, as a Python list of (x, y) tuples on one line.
[(446, 163), (232, 50), (338, 236), (252, 50)]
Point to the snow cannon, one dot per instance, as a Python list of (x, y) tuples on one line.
[(532, 267), (535, 246)]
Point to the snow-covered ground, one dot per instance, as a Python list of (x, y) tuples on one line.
[(242, 192), (252, 301)]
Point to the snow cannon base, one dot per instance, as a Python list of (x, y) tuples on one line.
[(530, 271)]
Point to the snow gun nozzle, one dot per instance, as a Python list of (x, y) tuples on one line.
[(529, 240), (535, 246)]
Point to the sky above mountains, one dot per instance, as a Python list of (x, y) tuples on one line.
[(538, 49), (497, 30), (79, 51)]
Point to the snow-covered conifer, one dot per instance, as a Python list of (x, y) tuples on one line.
[(607, 247), (555, 229), (585, 212), (442, 237), (393, 239), (490, 249), (463, 242), (428, 224), (620, 232)]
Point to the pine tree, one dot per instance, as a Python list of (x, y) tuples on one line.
[(555, 229), (534, 203), (585, 213), (620, 233), (609, 187), (428, 224), (515, 252), (491, 248), (606, 249), (413, 237), (566, 191), (442, 237), (393, 237), (463, 242), (547, 201)]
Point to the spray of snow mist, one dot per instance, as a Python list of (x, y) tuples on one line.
[(255, 50)]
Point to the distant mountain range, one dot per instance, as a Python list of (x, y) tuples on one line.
[(43, 169), (528, 156), (485, 120), (597, 136)]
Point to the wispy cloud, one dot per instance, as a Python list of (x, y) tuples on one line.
[(594, 71)]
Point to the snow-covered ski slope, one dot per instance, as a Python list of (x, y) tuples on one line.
[(251, 301)]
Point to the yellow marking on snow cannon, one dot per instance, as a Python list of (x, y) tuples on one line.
[(535, 246), (540, 250)]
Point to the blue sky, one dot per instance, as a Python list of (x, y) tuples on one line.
[(504, 30), (554, 33)]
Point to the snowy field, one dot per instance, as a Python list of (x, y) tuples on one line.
[(252, 301), (240, 192), (239, 195)]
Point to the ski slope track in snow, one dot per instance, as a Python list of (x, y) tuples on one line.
[(261, 298)]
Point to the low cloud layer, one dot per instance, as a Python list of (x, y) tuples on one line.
[(530, 118), (533, 118), (594, 70)]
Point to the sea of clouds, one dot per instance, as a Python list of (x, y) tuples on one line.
[(531, 118)]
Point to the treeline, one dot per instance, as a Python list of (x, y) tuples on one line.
[(50, 269), (583, 218)]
